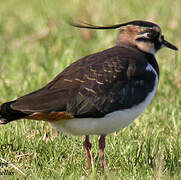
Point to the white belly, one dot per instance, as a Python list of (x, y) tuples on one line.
[(110, 123)]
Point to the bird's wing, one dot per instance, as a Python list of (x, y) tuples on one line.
[(119, 82), (94, 85)]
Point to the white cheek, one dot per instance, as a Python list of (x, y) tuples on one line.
[(152, 49), (146, 47)]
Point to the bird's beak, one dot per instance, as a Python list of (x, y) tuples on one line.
[(169, 45)]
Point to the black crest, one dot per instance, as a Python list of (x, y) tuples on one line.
[(134, 23)]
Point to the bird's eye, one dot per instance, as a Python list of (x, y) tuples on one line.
[(149, 34)]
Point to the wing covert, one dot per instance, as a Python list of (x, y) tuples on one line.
[(94, 85)]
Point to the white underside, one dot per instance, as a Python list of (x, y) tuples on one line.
[(110, 123)]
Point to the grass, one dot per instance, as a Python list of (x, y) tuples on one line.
[(36, 44)]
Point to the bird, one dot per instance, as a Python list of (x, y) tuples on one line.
[(100, 93)]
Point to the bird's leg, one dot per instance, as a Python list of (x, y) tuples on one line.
[(87, 146), (101, 150)]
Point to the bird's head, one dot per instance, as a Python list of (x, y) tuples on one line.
[(144, 35)]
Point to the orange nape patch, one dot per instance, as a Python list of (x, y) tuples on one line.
[(53, 116)]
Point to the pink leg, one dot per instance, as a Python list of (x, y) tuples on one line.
[(101, 149), (87, 146)]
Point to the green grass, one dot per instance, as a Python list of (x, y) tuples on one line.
[(36, 44)]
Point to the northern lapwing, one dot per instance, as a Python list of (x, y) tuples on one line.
[(100, 93)]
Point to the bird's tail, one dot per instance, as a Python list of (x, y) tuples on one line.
[(7, 114)]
